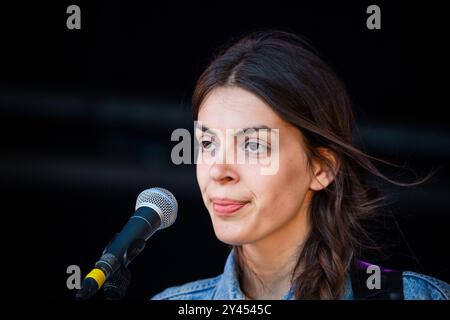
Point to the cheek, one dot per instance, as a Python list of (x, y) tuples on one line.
[(293, 170), (283, 191), (201, 172)]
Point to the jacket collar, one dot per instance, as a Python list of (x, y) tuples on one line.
[(228, 287)]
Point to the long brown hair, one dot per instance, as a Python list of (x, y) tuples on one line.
[(284, 70)]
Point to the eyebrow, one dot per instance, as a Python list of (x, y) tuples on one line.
[(239, 132)]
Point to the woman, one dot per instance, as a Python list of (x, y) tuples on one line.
[(295, 232)]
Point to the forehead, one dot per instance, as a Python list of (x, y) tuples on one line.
[(233, 107)]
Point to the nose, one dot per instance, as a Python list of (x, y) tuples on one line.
[(223, 173)]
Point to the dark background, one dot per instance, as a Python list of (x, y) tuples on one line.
[(86, 117)]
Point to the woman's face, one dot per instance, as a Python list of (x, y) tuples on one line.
[(246, 206)]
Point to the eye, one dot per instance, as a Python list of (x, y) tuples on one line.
[(256, 147), (207, 144)]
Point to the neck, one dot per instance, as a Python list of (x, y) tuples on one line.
[(270, 262)]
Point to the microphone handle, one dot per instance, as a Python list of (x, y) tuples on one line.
[(121, 250)]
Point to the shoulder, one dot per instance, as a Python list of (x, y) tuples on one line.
[(418, 286), (195, 290)]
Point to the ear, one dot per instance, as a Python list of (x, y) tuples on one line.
[(322, 174)]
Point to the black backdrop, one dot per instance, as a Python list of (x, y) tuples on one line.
[(86, 119)]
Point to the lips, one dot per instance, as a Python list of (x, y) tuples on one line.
[(227, 206)]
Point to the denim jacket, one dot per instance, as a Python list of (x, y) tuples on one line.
[(226, 287)]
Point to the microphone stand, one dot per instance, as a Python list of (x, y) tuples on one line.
[(116, 286)]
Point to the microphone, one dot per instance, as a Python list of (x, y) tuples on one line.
[(156, 208)]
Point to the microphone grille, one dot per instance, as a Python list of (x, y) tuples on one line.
[(164, 200)]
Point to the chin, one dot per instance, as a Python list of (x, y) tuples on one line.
[(230, 238)]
